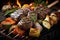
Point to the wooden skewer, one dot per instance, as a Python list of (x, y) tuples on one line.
[(52, 4)]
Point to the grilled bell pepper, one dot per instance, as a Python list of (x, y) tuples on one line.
[(12, 27), (6, 26), (7, 22), (46, 24), (34, 32), (17, 30), (25, 6)]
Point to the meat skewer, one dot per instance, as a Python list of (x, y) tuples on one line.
[(49, 6)]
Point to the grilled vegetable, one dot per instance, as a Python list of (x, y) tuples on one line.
[(25, 6), (17, 30), (6, 7), (47, 18), (46, 24), (8, 12), (54, 18), (34, 32), (10, 20), (6, 26), (32, 5), (12, 27), (7, 22)]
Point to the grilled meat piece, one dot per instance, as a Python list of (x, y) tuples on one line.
[(25, 11), (42, 11), (25, 23), (21, 16), (7, 22)]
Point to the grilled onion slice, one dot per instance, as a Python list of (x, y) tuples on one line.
[(46, 24)]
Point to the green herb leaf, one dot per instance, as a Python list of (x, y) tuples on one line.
[(9, 12)]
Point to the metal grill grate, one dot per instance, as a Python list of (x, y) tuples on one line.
[(51, 34)]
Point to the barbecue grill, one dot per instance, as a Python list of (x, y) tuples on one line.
[(52, 34)]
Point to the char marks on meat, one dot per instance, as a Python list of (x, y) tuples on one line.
[(25, 23), (42, 11)]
